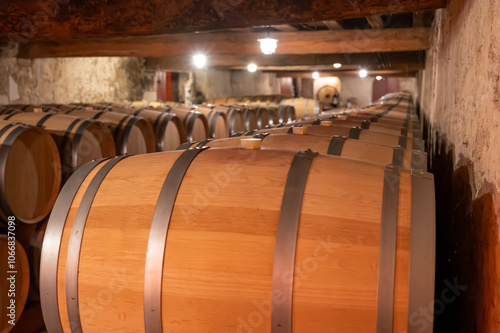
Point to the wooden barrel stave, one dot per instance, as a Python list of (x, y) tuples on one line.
[(168, 128), (78, 140), (132, 135), (30, 172), (219, 256), (22, 278), (195, 123), (217, 122), (349, 148)]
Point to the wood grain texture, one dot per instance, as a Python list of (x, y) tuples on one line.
[(169, 132), (22, 282), (195, 123), (78, 19), (227, 43), (220, 248), (139, 138), (392, 60), (217, 122), (31, 173), (96, 141), (355, 149)]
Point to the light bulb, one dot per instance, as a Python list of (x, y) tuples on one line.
[(252, 67), (337, 65), (363, 73), (315, 75), (379, 77), (199, 60), (268, 45)]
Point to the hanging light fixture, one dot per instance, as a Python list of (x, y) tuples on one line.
[(252, 67), (378, 77), (268, 45), (199, 60), (315, 75), (337, 65), (363, 73)]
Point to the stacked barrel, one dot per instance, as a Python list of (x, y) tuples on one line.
[(254, 224)]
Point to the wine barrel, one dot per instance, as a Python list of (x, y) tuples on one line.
[(353, 133), (304, 107), (31, 320), (250, 118), (95, 106), (168, 128), (195, 123), (264, 117), (234, 117), (5, 110), (222, 101), (372, 126), (217, 122), (30, 236), (172, 104), (12, 293), (30, 172), (63, 108), (132, 135), (286, 113), (78, 140), (336, 145), (206, 242)]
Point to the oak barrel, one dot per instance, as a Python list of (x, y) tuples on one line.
[(195, 123), (352, 133), (336, 145), (30, 236), (78, 140), (250, 118), (304, 107), (168, 128), (14, 281), (30, 172), (217, 122), (132, 135), (245, 231), (234, 117)]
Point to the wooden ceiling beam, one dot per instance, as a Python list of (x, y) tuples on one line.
[(30, 20), (383, 73), (311, 60), (232, 43), (329, 69)]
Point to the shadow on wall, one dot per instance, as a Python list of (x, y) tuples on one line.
[(466, 249)]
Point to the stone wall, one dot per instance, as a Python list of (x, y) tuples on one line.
[(66, 80), (213, 83), (461, 108)]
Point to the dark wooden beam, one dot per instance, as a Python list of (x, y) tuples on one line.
[(329, 69), (228, 61), (383, 73), (30, 20), (231, 43)]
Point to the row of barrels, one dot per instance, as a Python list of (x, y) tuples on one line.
[(42, 146), (329, 228)]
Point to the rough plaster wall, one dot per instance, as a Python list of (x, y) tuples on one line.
[(213, 83), (461, 104), (360, 88), (463, 82), (409, 84), (67, 80), (244, 83)]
